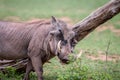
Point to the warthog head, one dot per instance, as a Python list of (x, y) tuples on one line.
[(62, 40)]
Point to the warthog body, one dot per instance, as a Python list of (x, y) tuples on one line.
[(37, 41)]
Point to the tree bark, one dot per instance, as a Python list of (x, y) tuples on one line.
[(96, 18), (82, 28)]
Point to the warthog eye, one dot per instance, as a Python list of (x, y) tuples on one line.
[(64, 42), (73, 42)]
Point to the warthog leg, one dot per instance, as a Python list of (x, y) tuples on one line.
[(37, 64), (29, 68)]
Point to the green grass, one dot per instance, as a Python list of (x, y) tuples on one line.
[(98, 41), (27, 9), (82, 69), (117, 25), (94, 42)]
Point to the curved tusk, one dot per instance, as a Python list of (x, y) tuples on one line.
[(75, 41), (59, 44), (79, 55)]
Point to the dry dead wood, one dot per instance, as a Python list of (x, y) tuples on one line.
[(96, 18)]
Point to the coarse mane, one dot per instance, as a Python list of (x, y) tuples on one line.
[(27, 23)]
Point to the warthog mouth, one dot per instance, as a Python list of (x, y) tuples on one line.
[(64, 61)]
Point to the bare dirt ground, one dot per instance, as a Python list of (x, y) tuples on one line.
[(109, 27), (99, 56), (66, 19), (103, 57), (17, 19)]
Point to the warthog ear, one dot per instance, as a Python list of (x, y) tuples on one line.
[(56, 25), (54, 21)]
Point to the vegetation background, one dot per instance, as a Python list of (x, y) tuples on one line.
[(93, 64)]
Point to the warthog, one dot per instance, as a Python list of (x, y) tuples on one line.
[(37, 41)]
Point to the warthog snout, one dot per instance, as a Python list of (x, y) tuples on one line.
[(67, 59), (71, 58)]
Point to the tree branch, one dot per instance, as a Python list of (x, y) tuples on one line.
[(96, 18)]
